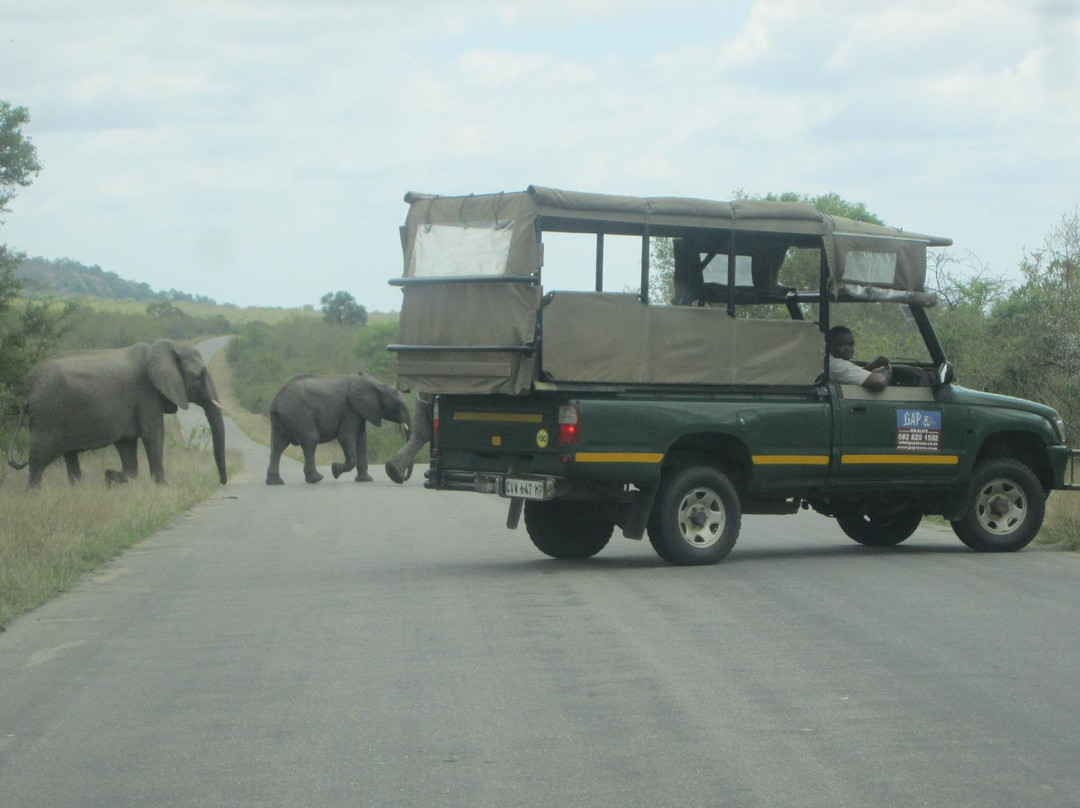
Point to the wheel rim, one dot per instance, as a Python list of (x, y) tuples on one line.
[(702, 517), (1001, 507)]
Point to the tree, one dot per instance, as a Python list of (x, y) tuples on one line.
[(967, 297), (29, 326), (341, 308), (1036, 330), (18, 157), (831, 203), (163, 308), (29, 329), (661, 271), (802, 268)]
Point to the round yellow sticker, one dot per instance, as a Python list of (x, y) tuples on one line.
[(542, 438)]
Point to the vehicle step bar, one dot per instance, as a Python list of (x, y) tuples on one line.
[(452, 481)]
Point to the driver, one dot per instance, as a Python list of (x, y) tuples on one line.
[(840, 343)]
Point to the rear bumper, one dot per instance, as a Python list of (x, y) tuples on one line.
[(482, 482)]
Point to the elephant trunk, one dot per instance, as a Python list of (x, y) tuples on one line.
[(217, 433), (399, 467)]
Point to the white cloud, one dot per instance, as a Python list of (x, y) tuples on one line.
[(257, 151)]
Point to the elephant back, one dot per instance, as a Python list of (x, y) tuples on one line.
[(82, 374)]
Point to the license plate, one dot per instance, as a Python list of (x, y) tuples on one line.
[(525, 489)]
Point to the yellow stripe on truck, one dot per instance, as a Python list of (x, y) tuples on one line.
[(791, 460), (619, 457), (500, 417), (899, 460)]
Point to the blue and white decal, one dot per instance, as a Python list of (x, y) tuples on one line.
[(918, 430)]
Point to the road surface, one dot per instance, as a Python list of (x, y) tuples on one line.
[(347, 644)]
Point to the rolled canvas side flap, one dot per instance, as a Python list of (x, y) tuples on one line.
[(594, 337)]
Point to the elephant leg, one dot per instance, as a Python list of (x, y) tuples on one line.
[(278, 444), (362, 475), (74, 472), (128, 449), (311, 474), (348, 446), (154, 442), (42, 453)]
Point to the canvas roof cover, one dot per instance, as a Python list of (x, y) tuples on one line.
[(467, 257), (859, 253)]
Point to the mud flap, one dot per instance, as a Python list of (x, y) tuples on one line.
[(637, 514), (513, 516)]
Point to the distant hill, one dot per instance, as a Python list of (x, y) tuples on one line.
[(64, 278)]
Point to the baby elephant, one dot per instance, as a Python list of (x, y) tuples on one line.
[(310, 410)]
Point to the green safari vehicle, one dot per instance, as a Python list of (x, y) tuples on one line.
[(595, 409)]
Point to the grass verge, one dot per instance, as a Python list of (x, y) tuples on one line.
[(1062, 525), (51, 536)]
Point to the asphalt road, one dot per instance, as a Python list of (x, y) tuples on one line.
[(350, 644)]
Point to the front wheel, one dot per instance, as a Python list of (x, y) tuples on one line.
[(567, 530), (877, 529), (1005, 510), (697, 517)]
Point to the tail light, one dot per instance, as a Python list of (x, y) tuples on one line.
[(569, 426)]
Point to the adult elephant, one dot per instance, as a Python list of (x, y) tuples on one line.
[(309, 410), (89, 399)]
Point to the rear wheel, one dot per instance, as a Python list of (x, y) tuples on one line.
[(1006, 508), (567, 529), (697, 517), (877, 529)]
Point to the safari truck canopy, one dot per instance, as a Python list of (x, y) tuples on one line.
[(476, 318)]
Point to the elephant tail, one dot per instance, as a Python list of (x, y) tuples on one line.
[(11, 446)]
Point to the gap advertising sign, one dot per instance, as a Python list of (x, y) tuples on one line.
[(918, 430)]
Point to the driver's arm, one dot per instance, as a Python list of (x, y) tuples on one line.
[(879, 362)]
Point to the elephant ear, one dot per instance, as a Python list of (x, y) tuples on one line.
[(365, 398), (163, 367)]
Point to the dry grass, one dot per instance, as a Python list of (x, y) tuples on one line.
[(51, 536), (1062, 525)]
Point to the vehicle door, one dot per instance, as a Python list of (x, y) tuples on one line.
[(902, 437)]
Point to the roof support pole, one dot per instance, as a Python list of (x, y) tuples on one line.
[(731, 273), (823, 291), (645, 265), (823, 300), (599, 262)]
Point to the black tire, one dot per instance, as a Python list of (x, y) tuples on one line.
[(1006, 508), (657, 543), (697, 517), (879, 529), (567, 530)]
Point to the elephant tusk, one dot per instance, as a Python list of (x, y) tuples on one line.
[(218, 404)]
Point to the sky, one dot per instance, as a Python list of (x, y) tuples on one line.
[(257, 151)]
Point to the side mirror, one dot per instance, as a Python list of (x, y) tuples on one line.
[(945, 374)]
